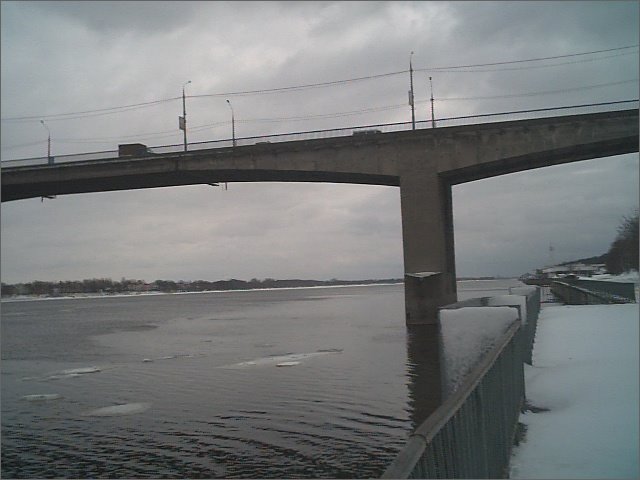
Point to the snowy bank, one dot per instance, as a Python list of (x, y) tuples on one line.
[(585, 371), (467, 334)]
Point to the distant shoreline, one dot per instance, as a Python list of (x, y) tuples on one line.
[(346, 284), (52, 289), (81, 296)]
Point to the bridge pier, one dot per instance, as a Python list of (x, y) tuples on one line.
[(427, 238)]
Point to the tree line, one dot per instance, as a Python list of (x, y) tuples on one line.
[(108, 286), (623, 253)]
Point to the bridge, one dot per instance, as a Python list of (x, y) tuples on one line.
[(424, 163)]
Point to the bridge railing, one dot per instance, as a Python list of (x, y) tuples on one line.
[(533, 296), (327, 133), (470, 435)]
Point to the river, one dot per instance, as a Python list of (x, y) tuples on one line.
[(286, 383)]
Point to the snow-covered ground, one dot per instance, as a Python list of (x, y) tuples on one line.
[(585, 372), (631, 277)]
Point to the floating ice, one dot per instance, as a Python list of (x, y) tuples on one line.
[(117, 410), (287, 364), (282, 360), (73, 372), (80, 371), (43, 397)]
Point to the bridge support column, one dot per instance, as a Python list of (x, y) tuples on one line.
[(427, 237)]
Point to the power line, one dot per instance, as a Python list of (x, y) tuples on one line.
[(565, 107), (538, 59), (88, 113), (526, 67), (298, 118), (459, 68), (545, 92)]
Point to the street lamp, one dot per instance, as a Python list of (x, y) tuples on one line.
[(411, 97), (233, 124), (433, 117), (49, 157), (182, 121)]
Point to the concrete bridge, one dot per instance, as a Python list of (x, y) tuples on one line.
[(423, 163)]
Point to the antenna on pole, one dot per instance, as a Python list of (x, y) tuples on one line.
[(433, 118)]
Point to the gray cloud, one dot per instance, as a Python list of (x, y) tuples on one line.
[(74, 56)]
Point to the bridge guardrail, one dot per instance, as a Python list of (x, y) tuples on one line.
[(309, 135)]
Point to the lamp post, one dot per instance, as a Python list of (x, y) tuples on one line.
[(433, 117), (182, 121), (411, 102), (49, 157), (233, 125)]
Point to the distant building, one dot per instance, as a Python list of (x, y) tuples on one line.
[(579, 269)]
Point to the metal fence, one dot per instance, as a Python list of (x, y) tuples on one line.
[(533, 295), (607, 289), (574, 295), (471, 434)]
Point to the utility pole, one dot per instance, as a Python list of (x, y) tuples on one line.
[(411, 97), (233, 125), (433, 118), (182, 121), (49, 157)]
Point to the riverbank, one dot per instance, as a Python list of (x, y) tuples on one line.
[(23, 298), (584, 394)]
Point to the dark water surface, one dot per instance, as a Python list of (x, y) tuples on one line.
[(301, 383)]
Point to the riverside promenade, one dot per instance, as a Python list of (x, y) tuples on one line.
[(583, 395)]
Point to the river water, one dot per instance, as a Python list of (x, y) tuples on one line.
[(296, 383)]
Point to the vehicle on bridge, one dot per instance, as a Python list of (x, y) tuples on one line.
[(371, 131), (133, 150)]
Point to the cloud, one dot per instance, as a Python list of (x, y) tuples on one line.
[(62, 57)]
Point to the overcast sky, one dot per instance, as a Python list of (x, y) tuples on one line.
[(70, 57)]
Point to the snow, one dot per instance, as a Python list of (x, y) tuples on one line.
[(525, 290), (585, 371), (628, 277), (511, 300), (467, 334)]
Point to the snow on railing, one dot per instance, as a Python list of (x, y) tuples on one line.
[(471, 434)]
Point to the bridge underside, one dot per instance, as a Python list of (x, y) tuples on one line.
[(49, 187)]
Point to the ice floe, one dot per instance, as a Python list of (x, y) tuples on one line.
[(288, 360), (42, 397), (169, 357), (80, 371), (73, 372), (117, 410)]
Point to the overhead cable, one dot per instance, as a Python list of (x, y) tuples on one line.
[(459, 68)]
